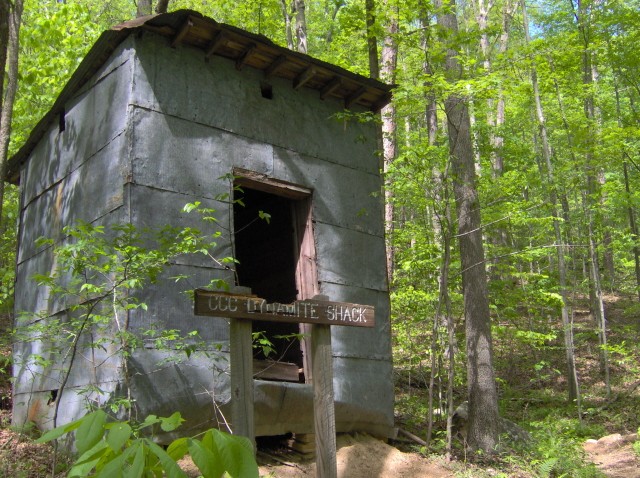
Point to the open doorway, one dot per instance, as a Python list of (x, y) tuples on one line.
[(271, 236)]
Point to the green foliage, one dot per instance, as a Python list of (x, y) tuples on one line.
[(114, 448), (94, 284), (558, 448)]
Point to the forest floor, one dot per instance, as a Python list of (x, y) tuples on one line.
[(606, 437)]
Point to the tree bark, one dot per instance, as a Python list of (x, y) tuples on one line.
[(287, 24), (162, 6), (571, 374), (482, 392), (301, 26), (372, 44), (143, 8), (4, 43), (14, 20), (389, 60)]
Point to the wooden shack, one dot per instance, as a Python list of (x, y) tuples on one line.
[(157, 113)]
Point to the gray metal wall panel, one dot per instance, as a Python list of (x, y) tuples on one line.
[(213, 93), (94, 119), (154, 208), (350, 257), (87, 193), (363, 392), (343, 196), (359, 342), (169, 307), (195, 387), (191, 158)]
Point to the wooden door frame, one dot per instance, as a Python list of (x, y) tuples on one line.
[(306, 259)]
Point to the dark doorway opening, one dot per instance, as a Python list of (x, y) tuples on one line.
[(266, 247)]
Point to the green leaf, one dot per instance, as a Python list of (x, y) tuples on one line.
[(89, 460), (91, 430), (206, 458), (171, 423), (237, 455), (59, 431), (118, 435), (178, 448), (169, 465), (137, 467)]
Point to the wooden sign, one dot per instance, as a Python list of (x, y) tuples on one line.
[(221, 304)]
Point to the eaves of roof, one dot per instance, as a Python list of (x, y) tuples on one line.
[(187, 27)]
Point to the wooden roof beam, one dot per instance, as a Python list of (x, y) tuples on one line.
[(304, 77), (242, 59), (273, 68), (219, 39), (355, 97), (182, 33), (330, 87), (381, 102)]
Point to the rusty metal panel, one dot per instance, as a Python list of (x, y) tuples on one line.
[(178, 155), (213, 93), (350, 257)]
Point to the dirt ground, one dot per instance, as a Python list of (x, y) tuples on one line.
[(614, 455), (362, 456)]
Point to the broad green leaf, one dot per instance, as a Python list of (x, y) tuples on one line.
[(178, 448), (91, 430), (169, 424), (206, 459), (236, 454), (137, 467), (89, 460), (169, 465), (59, 431), (118, 436)]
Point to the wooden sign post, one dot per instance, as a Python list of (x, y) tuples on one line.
[(318, 311)]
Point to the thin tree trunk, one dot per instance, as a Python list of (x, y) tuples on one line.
[(581, 16), (144, 8), (483, 396), (301, 26), (4, 43), (573, 388), (13, 46), (389, 59), (372, 43), (162, 6), (287, 24)]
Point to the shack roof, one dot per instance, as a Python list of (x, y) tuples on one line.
[(188, 27)]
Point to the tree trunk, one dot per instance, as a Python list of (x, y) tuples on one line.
[(301, 26), (144, 8), (372, 44), (162, 6), (13, 46), (4, 43), (287, 24), (571, 376), (388, 65), (483, 396)]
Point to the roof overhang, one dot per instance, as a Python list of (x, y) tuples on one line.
[(190, 28)]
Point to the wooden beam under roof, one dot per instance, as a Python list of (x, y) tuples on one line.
[(219, 39), (276, 65), (304, 77), (245, 56), (182, 33)]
